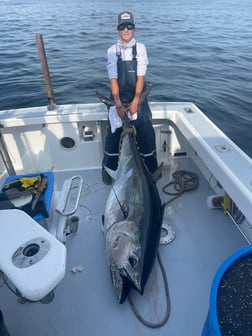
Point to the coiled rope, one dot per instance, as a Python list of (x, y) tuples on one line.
[(184, 180)]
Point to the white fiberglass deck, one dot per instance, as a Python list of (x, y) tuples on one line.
[(85, 302)]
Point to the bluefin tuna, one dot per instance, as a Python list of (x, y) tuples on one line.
[(132, 220)]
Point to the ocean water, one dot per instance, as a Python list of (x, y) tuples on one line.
[(199, 52)]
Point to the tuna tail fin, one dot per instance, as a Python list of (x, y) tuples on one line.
[(107, 101), (146, 91)]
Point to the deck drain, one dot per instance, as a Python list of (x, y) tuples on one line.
[(168, 234)]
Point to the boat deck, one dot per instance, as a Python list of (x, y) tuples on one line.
[(85, 302)]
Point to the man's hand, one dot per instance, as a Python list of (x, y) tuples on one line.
[(122, 111), (133, 107)]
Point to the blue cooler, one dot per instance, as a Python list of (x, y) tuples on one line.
[(230, 311)]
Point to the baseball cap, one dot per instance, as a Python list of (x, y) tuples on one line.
[(125, 17)]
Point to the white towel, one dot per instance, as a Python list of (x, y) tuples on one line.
[(115, 120)]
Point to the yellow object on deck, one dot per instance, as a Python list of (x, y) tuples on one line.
[(24, 183), (227, 203)]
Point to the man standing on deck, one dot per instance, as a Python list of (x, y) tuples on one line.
[(127, 65)]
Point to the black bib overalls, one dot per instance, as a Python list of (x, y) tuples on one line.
[(127, 77)]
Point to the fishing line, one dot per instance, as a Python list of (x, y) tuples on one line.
[(124, 212)]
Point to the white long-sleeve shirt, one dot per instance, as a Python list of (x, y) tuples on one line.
[(126, 54)]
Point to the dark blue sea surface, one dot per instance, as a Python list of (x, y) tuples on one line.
[(198, 51)]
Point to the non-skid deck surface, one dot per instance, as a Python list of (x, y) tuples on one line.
[(85, 302)]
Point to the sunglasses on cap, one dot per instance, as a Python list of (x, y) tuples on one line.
[(122, 26)]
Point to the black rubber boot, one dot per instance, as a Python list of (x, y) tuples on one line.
[(106, 178)]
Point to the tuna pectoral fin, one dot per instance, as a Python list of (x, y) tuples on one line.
[(158, 173)]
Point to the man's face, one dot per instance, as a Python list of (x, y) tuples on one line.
[(126, 32)]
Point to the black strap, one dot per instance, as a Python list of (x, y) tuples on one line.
[(134, 52)]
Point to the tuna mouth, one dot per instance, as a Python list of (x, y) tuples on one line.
[(123, 287), (133, 277), (138, 287)]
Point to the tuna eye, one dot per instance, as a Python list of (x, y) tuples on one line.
[(132, 261)]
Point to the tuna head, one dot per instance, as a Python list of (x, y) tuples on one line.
[(124, 253)]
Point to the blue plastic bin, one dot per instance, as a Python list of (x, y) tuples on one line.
[(212, 325)]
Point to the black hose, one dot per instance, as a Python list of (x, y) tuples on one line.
[(183, 181), (168, 303)]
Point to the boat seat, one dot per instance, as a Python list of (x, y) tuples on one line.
[(32, 258)]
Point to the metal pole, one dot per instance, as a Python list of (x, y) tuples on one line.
[(5, 156), (45, 69)]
